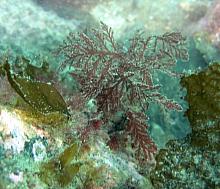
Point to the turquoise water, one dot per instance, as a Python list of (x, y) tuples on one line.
[(105, 94)]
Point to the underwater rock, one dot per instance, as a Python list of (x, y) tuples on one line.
[(122, 169), (16, 178), (36, 148), (155, 17), (193, 162), (12, 129), (30, 30), (207, 33), (213, 23), (203, 95), (205, 47), (181, 165), (194, 11), (60, 4), (74, 9)]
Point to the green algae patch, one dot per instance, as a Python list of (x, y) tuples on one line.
[(61, 170), (203, 96), (74, 167), (66, 157)]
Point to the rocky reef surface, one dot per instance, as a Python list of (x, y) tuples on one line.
[(41, 151)]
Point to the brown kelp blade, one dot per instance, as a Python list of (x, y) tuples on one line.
[(42, 97)]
